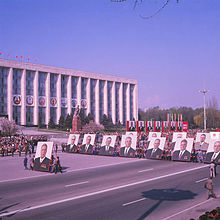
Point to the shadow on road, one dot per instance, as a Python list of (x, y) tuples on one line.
[(3, 210), (161, 195)]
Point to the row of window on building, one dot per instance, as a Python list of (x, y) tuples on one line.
[(16, 90)]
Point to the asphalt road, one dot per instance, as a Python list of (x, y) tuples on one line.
[(145, 189)]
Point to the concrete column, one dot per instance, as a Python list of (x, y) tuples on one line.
[(47, 85), (36, 114), (113, 103), (135, 101), (97, 101), (128, 102), (121, 103), (9, 94), (69, 95), (58, 98), (78, 90), (105, 90), (23, 97), (88, 96)]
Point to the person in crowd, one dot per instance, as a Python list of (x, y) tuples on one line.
[(182, 154), (56, 148), (32, 163), (210, 188), (200, 156), (127, 150), (212, 169), (107, 149), (25, 162), (42, 163), (58, 167)]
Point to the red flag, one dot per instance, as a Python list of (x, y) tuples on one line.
[(1, 53), (8, 55), (28, 59), (21, 57), (16, 57)]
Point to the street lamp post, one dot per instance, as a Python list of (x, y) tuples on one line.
[(204, 92)]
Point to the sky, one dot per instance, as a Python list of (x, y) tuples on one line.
[(172, 55)]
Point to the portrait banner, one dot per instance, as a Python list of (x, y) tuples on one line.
[(150, 125), (141, 126), (179, 126), (202, 141), (43, 156), (88, 142), (108, 144), (128, 145), (155, 148), (165, 126), (182, 150), (213, 152), (215, 135), (153, 135), (42, 101), (131, 126), (83, 103), (172, 125), (29, 100), (157, 126), (178, 135), (16, 100), (72, 143)]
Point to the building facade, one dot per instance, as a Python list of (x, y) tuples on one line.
[(32, 91)]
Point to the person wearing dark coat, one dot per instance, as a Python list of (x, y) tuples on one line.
[(154, 152), (127, 150), (107, 149), (182, 154), (58, 167), (87, 148)]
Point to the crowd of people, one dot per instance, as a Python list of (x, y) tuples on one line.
[(214, 214), (19, 144)]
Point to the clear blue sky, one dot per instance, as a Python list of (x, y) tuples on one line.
[(173, 55)]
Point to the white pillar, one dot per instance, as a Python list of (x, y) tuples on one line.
[(69, 95), (113, 103), (58, 97), (47, 85), (105, 90), (121, 103), (135, 101), (36, 98), (78, 90), (97, 101), (9, 94), (23, 97), (128, 102), (88, 96)]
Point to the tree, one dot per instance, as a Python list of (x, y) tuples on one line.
[(88, 118), (8, 127), (61, 122), (92, 127), (51, 123), (68, 122)]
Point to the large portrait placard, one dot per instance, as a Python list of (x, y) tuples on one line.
[(128, 145), (108, 144), (155, 148), (178, 135), (72, 142), (213, 152), (153, 135), (141, 126), (202, 141), (182, 150), (88, 142), (43, 156)]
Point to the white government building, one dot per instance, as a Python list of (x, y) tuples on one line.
[(29, 91)]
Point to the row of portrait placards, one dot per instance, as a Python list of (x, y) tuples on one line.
[(183, 146)]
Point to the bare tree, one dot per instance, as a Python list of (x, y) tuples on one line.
[(8, 127)]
